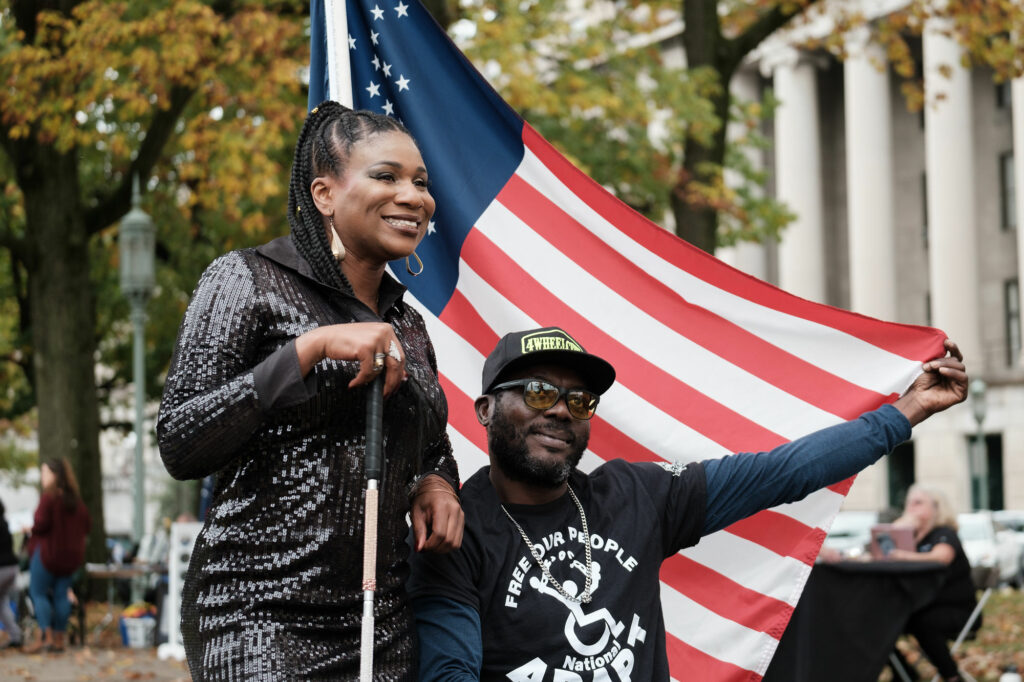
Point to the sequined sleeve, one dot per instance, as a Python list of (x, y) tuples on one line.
[(210, 406)]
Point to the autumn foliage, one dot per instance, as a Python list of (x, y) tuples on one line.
[(202, 101)]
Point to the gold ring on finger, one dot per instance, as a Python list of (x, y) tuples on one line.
[(378, 362)]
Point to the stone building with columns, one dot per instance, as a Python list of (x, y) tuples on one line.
[(909, 217)]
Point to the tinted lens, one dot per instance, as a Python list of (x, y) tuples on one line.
[(540, 395), (582, 404)]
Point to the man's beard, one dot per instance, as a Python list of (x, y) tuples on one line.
[(512, 455)]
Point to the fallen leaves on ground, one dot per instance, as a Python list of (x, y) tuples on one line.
[(999, 642)]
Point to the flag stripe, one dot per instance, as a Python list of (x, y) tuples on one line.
[(723, 639), (782, 534), (617, 445), (714, 272), (459, 417), (727, 597), (462, 317), (778, 367), (690, 663), (761, 570)]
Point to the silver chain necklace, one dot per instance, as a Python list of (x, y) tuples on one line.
[(584, 598)]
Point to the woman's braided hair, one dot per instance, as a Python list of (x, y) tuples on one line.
[(323, 148)]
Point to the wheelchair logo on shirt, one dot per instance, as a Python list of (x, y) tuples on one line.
[(601, 644)]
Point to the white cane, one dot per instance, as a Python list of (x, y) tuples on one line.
[(373, 464)]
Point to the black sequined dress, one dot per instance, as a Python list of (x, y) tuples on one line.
[(273, 590)]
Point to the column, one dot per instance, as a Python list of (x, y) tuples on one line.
[(870, 210), (952, 222), (798, 176), (1017, 89), (941, 451), (748, 257), (869, 178)]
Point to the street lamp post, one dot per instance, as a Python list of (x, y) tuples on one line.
[(979, 458), (137, 247)]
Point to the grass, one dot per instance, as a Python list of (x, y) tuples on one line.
[(1000, 641)]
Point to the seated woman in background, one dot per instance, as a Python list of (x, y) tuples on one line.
[(930, 514)]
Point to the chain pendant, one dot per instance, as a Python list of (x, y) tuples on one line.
[(536, 554)]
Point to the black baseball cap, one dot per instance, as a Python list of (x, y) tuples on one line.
[(549, 345)]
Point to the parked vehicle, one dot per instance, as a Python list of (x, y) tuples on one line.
[(1013, 519), (850, 533), (992, 549)]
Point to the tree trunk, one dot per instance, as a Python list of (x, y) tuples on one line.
[(705, 47), (64, 326), (696, 223)]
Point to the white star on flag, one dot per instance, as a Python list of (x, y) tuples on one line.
[(387, 69), (373, 89), (373, 37), (378, 13), (402, 9), (430, 227), (351, 43), (389, 109), (402, 83), (376, 64)]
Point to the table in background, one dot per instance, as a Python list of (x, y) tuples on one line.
[(110, 573), (849, 617)]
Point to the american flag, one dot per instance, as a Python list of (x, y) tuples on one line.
[(710, 361)]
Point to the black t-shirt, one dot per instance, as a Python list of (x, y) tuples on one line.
[(637, 515), (958, 589)]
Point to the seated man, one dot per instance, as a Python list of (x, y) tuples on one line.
[(503, 608)]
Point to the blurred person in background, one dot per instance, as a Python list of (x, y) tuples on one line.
[(8, 580), (56, 550), (929, 512)]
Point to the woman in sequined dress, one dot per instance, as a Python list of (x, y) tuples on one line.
[(267, 391)]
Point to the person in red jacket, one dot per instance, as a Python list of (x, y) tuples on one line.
[(57, 549)]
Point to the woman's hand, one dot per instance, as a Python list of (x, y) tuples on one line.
[(358, 341), (437, 518)]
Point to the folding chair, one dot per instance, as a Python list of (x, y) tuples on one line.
[(965, 633)]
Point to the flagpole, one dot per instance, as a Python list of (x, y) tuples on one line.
[(339, 73)]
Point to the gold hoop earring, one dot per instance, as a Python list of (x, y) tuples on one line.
[(408, 267), (337, 248)]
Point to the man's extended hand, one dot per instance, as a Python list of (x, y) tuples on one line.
[(942, 384)]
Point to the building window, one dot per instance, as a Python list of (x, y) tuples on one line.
[(900, 463), (1007, 191), (996, 481), (1011, 305), (1003, 95)]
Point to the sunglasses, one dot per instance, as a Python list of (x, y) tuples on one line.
[(540, 395)]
